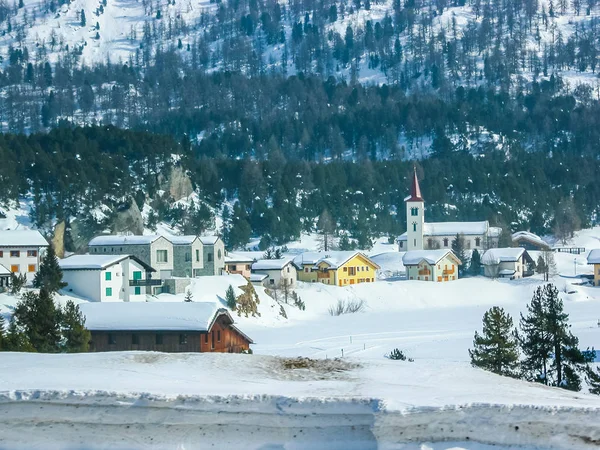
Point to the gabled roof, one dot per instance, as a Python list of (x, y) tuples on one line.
[(22, 238), (182, 240), (495, 256), (271, 264), (415, 257), (235, 258), (454, 228), (594, 256), (152, 316), (209, 240), (334, 259), (415, 190), (4, 270), (97, 262), (114, 239), (530, 237), (257, 276)]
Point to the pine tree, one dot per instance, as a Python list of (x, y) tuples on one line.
[(39, 318), (16, 283), (76, 338), (593, 379), (458, 247), (83, 21), (540, 265), (326, 227), (230, 298), (496, 349), (475, 266), (188, 297), (49, 275), (16, 340), (534, 340)]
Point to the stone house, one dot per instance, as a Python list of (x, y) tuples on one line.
[(214, 255), (188, 256)]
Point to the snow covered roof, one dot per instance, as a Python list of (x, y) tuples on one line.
[(151, 316), (454, 228), (22, 238), (528, 236), (182, 240), (414, 257), (334, 259), (271, 264), (209, 240), (594, 256), (233, 257), (497, 255), (114, 239), (506, 272), (96, 262), (256, 277), (4, 270)]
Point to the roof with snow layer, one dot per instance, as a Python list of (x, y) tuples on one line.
[(528, 236), (594, 256), (22, 238), (452, 229), (114, 239), (414, 257), (271, 264), (97, 262), (495, 256)]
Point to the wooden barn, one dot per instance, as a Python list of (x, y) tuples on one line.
[(163, 327)]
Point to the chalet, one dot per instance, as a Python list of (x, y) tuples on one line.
[(510, 263), (594, 258), (108, 278), (339, 268), (163, 327), (529, 241), (238, 264), (431, 265), (21, 251), (278, 272)]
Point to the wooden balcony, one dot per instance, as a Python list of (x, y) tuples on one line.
[(424, 272), (448, 271)]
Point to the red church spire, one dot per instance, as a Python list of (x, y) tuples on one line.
[(415, 190)]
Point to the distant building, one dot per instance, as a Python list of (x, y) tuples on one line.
[(439, 235), (339, 268), (163, 327), (214, 255), (514, 262), (594, 258), (529, 241), (238, 264), (431, 265), (279, 272), (188, 256), (21, 251), (108, 278)]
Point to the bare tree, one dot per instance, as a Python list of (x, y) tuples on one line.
[(566, 220), (326, 227)]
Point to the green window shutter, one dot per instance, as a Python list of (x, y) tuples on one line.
[(138, 290), (137, 275), (109, 292), (107, 276)]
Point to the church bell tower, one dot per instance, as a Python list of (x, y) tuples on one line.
[(415, 217)]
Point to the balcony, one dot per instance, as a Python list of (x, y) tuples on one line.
[(147, 282), (448, 271), (424, 272)]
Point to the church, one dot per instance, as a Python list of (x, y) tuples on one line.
[(439, 235)]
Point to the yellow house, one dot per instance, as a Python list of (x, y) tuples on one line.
[(431, 265), (335, 268), (594, 258)]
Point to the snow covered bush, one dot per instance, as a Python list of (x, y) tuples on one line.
[(398, 355)]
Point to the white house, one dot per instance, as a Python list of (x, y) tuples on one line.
[(279, 272), (107, 278), (506, 263), (21, 251), (439, 235), (431, 265)]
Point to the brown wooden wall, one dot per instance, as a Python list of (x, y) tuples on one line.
[(226, 340)]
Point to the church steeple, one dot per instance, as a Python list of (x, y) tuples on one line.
[(415, 189), (415, 217)]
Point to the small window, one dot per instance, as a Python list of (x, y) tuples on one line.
[(159, 339), (271, 281), (15, 253), (233, 267), (218, 335), (137, 290), (188, 257), (107, 276), (209, 257), (1, 254), (401, 244), (14, 268), (137, 275), (135, 339), (197, 255), (109, 292), (288, 269), (445, 242), (345, 269), (477, 242), (183, 339), (219, 255), (414, 226), (161, 256), (112, 339), (32, 253), (206, 338), (31, 268)]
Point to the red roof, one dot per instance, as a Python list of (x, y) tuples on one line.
[(415, 190)]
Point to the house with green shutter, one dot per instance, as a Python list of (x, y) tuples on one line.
[(108, 278)]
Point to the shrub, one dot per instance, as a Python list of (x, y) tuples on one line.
[(347, 307), (398, 355)]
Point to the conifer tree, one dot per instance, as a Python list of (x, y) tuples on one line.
[(83, 21), (76, 338), (458, 247), (49, 276), (188, 297), (540, 265), (230, 298), (475, 266), (16, 340), (39, 318), (2, 331), (593, 379), (496, 349), (326, 227)]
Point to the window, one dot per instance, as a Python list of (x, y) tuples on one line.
[(31, 268), (188, 257), (232, 267), (161, 256), (414, 226), (206, 338), (137, 275), (109, 292), (218, 335), (135, 339), (445, 242), (14, 268), (137, 290), (197, 255), (95, 250), (158, 339), (15, 253), (271, 281), (414, 211), (209, 257), (182, 339), (401, 244), (107, 276), (247, 266), (477, 242), (219, 254), (306, 269), (288, 269), (112, 339), (32, 253)]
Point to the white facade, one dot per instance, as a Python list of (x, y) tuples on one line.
[(21, 251), (505, 262), (431, 265), (415, 218), (111, 278), (279, 272)]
